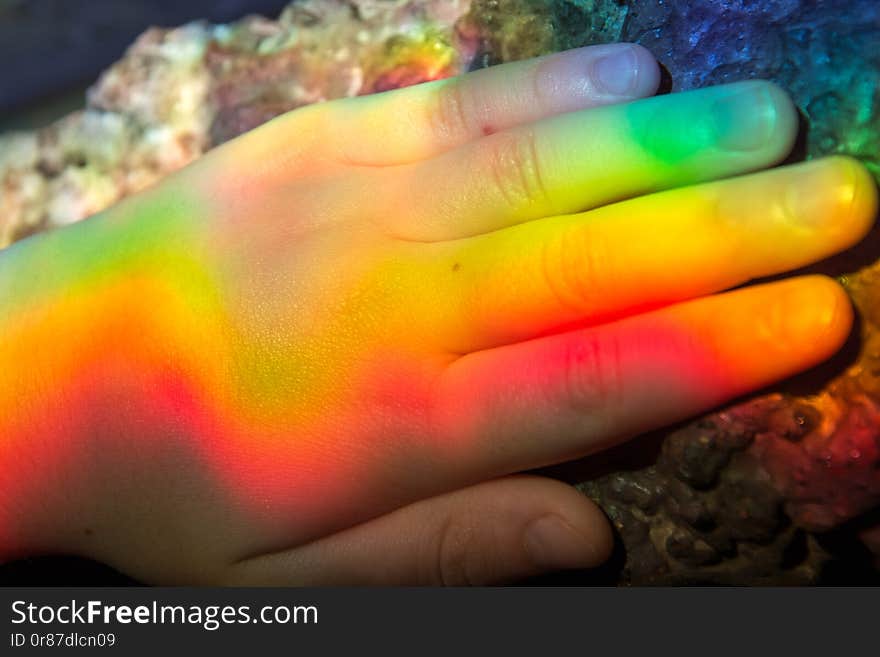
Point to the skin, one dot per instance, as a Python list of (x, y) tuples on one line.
[(321, 354)]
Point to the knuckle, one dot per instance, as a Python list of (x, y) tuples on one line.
[(450, 114), (577, 268), (716, 208), (515, 168), (593, 373), (455, 558)]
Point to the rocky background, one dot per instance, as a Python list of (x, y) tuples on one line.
[(780, 489)]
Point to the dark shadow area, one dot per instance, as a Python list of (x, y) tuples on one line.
[(799, 149), (852, 563), (61, 571), (665, 81), (633, 454)]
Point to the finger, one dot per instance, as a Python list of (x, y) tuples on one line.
[(585, 269), (582, 160), (411, 124), (492, 532), (563, 396)]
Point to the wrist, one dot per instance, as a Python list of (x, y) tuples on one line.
[(42, 450), (74, 325)]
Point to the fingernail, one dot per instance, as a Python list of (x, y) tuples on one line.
[(822, 192), (616, 72), (552, 543), (745, 119)]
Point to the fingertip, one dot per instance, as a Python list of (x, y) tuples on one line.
[(832, 313), (716, 131), (762, 334), (553, 543), (755, 119), (858, 193), (787, 121), (807, 319), (837, 193), (624, 71), (648, 77), (597, 538), (571, 533)]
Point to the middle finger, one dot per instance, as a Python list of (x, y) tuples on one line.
[(647, 252)]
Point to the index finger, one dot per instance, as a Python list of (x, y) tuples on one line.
[(407, 125)]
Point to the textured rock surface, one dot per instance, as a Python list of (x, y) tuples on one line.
[(773, 490)]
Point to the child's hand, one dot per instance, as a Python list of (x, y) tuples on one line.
[(315, 355)]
